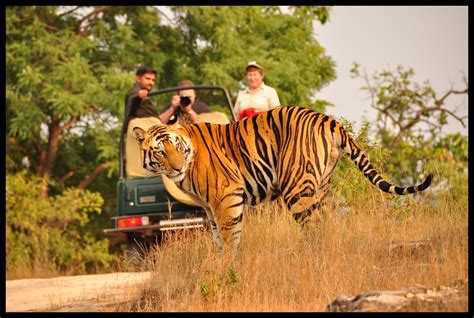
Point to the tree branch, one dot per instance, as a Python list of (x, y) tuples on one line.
[(164, 15), (65, 177), (42, 157), (56, 133), (69, 124), (460, 119), (98, 170), (70, 11), (93, 14), (440, 101)]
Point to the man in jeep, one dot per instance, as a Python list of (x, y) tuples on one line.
[(140, 111), (184, 107)]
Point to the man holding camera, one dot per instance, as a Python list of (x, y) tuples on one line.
[(184, 107)]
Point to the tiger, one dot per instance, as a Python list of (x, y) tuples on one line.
[(289, 152)]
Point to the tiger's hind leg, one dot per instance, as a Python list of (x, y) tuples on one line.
[(307, 209)]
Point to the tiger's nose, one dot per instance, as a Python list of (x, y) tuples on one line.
[(178, 167)]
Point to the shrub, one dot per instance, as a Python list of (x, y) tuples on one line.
[(51, 232)]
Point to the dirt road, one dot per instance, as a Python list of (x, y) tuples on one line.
[(72, 293)]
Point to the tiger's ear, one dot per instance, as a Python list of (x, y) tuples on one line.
[(139, 134)]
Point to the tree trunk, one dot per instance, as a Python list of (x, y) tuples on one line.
[(46, 165)]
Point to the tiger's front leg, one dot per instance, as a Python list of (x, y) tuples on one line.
[(229, 215), (231, 227), (214, 230)]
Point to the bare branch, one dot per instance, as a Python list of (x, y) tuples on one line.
[(370, 89), (170, 21), (70, 11), (92, 15), (460, 119), (440, 101), (98, 170), (65, 177)]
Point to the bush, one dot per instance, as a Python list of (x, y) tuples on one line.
[(51, 232), (406, 164)]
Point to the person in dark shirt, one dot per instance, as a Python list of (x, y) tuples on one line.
[(140, 111), (137, 102), (184, 107)]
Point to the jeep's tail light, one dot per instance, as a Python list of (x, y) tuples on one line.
[(133, 221)]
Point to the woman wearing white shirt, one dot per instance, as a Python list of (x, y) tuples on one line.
[(258, 97)]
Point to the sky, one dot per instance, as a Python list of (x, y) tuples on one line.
[(431, 40)]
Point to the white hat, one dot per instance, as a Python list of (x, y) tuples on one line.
[(254, 64)]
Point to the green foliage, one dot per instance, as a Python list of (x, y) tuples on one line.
[(453, 148), (51, 230), (221, 40), (449, 163), (405, 165)]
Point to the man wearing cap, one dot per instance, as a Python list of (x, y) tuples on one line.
[(257, 97)]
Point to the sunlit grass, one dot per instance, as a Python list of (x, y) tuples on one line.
[(281, 267)]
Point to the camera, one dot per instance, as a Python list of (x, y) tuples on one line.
[(184, 100)]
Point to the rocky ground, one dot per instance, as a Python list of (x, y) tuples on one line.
[(417, 298)]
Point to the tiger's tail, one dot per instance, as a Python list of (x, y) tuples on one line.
[(358, 156)]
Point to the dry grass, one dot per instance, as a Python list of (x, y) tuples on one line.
[(281, 267)]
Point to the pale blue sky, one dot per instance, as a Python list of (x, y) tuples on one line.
[(431, 40)]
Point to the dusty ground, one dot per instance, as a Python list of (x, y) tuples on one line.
[(72, 293)]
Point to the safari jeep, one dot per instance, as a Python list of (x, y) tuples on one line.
[(149, 206)]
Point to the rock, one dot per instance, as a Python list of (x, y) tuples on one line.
[(418, 298)]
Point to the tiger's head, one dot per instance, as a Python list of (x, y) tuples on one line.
[(164, 151)]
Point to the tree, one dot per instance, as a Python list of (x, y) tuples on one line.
[(403, 105), (59, 82), (68, 69), (410, 120)]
